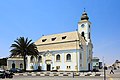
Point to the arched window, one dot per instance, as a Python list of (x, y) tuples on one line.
[(13, 65), (40, 59), (68, 57), (58, 57), (80, 55), (82, 34), (32, 59), (89, 35), (89, 26), (21, 65)]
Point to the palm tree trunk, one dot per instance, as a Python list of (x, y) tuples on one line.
[(24, 57)]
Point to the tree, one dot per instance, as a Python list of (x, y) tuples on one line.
[(23, 47)]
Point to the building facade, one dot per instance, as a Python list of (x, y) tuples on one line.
[(69, 51), (15, 62)]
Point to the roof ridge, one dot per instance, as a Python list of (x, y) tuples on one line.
[(59, 33)]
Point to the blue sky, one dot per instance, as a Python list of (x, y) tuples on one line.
[(34, 18)]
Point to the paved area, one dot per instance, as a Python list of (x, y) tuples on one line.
[(59, 74), (66, 76), (60, 78), (69, 74)]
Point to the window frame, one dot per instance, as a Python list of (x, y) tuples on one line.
[(53, 39), (64, 37), (68, 67), (43, 40), (21, 66), (68, 58), (57, 67), (80, 56), (58, 58), (39, 59), (32, 59)]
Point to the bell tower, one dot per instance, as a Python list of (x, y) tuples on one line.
[(84, 27)]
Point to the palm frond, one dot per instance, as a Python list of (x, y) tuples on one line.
[(23, 46)]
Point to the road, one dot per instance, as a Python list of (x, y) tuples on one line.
[(59, 78)]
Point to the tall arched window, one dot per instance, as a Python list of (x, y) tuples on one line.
[(32, 59), (82, 34), (58, 57), (68, 57), (89, 35), (40, 59), (89, 26), (21, 65), (81, 56)]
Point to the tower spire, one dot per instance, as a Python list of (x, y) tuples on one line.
[(84, 16), (84, 9)]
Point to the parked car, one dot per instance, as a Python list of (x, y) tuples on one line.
[(2, 74), (95, 70), (8, 74), (15, 70), (1, 70)]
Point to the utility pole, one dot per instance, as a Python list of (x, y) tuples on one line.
[(104, 68), (104, 72)]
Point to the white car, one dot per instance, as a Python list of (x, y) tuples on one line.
[(1, 70)]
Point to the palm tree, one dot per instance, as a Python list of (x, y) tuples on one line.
[(23, 47)]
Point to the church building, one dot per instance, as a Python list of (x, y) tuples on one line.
[(69, 51)]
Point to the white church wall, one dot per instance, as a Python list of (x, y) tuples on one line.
[(65, 65), (73, 65)]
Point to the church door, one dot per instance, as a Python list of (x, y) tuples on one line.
[(89, 67), (13, 65), (48, 67)]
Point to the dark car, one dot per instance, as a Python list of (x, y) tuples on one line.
[(8, 74), (95, 70), (2, 74), (15, 70)]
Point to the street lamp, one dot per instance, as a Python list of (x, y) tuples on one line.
[(104, 68)]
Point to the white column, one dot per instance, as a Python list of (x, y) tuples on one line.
[(78, 52), (63, 66), (52, 62), (44, 64), (28, 63)]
